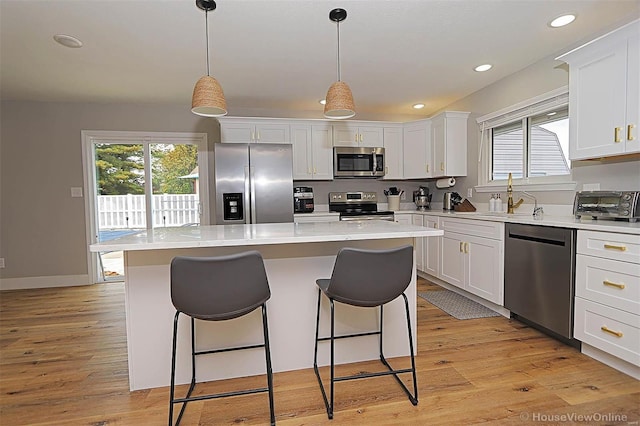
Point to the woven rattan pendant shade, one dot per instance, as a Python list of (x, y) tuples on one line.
[(208, 98), (339, 101)]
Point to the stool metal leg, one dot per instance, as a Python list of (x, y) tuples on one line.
[(267, 352), (329, 401)]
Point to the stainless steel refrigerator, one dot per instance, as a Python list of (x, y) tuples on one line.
[(253, 183)]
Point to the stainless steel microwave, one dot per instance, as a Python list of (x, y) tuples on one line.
[(358, 162)]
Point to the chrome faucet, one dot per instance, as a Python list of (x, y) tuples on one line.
[(537, 211), (510, 205)]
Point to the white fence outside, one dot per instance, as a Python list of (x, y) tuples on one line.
[(128, 211)]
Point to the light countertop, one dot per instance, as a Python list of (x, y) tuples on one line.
[(559, 221), (260, 234)]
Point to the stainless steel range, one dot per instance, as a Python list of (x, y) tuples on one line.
[(357, 206)]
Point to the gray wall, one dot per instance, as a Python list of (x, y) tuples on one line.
[(42, 232)]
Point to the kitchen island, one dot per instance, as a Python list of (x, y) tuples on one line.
[(295, 255)]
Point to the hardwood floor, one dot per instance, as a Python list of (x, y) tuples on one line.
[(63, 361)]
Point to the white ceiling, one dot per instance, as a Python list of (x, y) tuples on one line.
[(281, 55)]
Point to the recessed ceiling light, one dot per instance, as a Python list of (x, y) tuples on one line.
[(67, 40), (561, 21), (418, 106), (481, 68), (322, 101)]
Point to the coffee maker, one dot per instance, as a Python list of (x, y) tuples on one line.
[(422, 198), (302, 199)]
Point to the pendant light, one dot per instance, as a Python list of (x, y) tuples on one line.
[(339, 98), (208, 98)]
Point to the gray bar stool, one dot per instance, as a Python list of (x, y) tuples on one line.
[(366, 278), (217, 289)]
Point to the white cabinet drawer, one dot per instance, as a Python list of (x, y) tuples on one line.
[(478, 228), (613, 283), (624, 247), (608, 329)]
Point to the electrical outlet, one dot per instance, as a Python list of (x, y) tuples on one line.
[(403, 196), (469, 192), (1, 262)]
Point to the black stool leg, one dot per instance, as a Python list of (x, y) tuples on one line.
[(267, 352), (173, 368), (328, 406)]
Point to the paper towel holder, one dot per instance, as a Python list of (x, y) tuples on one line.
[(445, 182)]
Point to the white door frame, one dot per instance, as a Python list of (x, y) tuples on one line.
[(91, 137)]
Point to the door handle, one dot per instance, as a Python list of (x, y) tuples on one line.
[(614, 247), (616, 134), (612, 284), (253, 195), (608, 330), (247, 190), (630, 128)]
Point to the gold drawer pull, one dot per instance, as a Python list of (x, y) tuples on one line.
[(614, 247), (610, 284), (461, 245), (616, 134), (615, 333), (630, 128)]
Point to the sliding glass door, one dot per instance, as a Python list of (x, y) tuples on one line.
[(138, 182)]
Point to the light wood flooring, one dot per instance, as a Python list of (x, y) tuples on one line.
[(63, 361)]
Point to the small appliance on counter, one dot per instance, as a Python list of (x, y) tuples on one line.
[(451, 200), (303, 199), (422, 198), (622, 205)]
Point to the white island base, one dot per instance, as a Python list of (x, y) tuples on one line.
[(292, 269)]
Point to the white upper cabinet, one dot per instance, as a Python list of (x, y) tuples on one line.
[(312, 151), (603, 95), (393, 153), (449, 139), (235, 130), (357, 134), (416, 152)]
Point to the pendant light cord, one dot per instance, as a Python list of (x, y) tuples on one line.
[(338, 26), (206, 25)]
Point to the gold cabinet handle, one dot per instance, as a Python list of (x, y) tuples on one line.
[(466, 247), (253, 136), (615, 247), (608, 330), (427, 168), (315, 171), (461, 244), (616, 134), (435, 225), (386, 170), (442, 167), (361, 137), (356, 138), (630, 128), (612, 284)]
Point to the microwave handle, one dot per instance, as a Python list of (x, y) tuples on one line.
[(375, 163)]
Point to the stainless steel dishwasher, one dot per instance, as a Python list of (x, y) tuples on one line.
[(539, 277)]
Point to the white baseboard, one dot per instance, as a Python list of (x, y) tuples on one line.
[(44, 282), (612, 361)]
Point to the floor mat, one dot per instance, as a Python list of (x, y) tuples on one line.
[(457, 305)]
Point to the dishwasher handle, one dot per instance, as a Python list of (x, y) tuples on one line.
[(543, 240)]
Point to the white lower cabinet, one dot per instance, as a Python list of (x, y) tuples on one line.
[(417, 219), (431, 261), (607, 302), (404, 218), (472, 257)]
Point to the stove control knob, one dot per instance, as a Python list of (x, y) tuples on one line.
[(626, 197), (625, 213)]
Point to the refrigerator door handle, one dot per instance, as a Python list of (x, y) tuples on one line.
[(252, 180), (247, 190)]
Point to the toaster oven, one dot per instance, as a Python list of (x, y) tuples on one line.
[(623, 205)]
